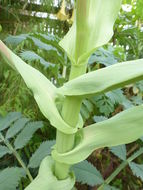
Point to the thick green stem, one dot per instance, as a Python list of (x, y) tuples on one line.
[(70, 113)]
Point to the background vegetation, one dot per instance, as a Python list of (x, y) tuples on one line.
[(33, 29)]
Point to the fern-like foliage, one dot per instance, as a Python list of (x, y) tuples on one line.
[(4, 150), (15, 132), (16, 127), (86, 173), (10, 177), (137, 169), (8, 120), (26, 134), (108, 187), (32, 56), (43, 151), (120, 151)]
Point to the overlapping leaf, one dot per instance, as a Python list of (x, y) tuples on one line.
[(123, 128), (104, 80)]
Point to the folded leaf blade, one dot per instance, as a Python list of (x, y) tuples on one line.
[(104, 80), (123, 128), (45, 93)]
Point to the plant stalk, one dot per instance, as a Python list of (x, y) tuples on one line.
[(70, 113)]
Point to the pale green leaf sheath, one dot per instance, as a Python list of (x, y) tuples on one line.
[(123, 128), (46, 179), (44, 91)]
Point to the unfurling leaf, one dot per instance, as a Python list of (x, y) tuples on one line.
[(93, 27)]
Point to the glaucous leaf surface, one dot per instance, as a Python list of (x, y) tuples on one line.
[(119, 151), (93, 27), (16, 127), (10, 177), (26, 134), (104, 80), (5, 122), (43, 151), (137, 169), (123, 128), (3, 151), (86, 173)]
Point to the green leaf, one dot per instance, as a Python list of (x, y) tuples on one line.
[(104, 80), (10, 177), (137, 169), (42, 45), (103, 56), (45, 93), (16, 127), (93, 27), (123, 128), (99, 118), (9, 119), (32, 56), (86, 173), (3, 151), (43, 151), (47, 181), (15, 40), (116, 96), (104, 104), (26, 134), (108, 187), (119, 151)]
